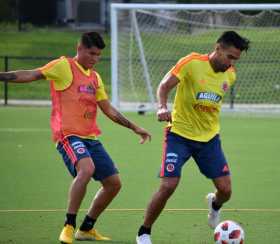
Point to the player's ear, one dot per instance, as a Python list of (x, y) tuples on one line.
[(79, 47), (218, 47)]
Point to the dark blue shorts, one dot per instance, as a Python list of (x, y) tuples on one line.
[(74, 148), (208, 156)]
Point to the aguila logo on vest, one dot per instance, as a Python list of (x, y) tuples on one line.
[(210, 96)]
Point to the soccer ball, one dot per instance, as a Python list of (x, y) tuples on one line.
[(229, 232)]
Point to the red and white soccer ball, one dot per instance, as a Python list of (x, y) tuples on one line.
[(228, 232)]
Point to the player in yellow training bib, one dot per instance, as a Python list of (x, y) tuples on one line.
[(201, 81)]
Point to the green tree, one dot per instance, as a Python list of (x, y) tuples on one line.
[(8, 10)]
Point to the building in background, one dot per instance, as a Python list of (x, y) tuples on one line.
[(84, 14), (78, 14)]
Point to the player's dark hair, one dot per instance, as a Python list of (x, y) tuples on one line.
[(92, 39), (231, 38)]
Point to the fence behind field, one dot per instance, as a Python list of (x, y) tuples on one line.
[(36, 90)]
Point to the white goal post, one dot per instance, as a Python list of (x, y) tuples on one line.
[(148, 39)]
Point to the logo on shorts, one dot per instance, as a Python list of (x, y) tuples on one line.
[(79, 147), (225, 169), (170, 167), (171, 158), (81, 150), (171, 155), (77, 144)]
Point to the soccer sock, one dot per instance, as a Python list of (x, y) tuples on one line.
[(87, 224), (144, 230), (70, 219), (215, 206)]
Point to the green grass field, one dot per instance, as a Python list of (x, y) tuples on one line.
[(34, 182)]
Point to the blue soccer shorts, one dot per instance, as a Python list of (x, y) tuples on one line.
[(74, 148), (208, 156)]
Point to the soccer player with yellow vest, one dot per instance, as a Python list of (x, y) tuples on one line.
[(77, 90), (193, 129)]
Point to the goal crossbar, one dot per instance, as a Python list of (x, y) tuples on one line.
[(268, 6)]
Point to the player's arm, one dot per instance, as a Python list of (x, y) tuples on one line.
[(165, 86), (21, 76), (117, 117)]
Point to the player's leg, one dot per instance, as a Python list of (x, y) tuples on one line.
[(175, 154), (159, 200), (223, 193), (107, 174), (155, 207), (85, 169), (110, 188), (212, 163), (79, 163), (217, 199)]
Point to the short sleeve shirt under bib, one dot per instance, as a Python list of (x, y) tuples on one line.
[(59, 70), (198, 98)]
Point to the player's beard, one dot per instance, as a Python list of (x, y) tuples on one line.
[(223, 67)]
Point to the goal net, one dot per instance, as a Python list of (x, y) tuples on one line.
[(148, 39)]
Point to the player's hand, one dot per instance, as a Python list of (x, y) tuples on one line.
[(164, 115), (145, 135)]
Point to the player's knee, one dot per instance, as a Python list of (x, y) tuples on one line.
[(167, 189), (85, 169), (83, 178), (113, 187), (116, 187), (225, 191), (85, 174)]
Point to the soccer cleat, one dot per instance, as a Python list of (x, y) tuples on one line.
[(91, 235), (66, 235), (143, 239), (213, 215)]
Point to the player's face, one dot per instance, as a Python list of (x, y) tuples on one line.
[(88, 57), (226, 57)]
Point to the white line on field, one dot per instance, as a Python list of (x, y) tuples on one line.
[(142, 209)]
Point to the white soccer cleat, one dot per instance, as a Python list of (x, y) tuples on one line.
[(143, 239), (213, 215)]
